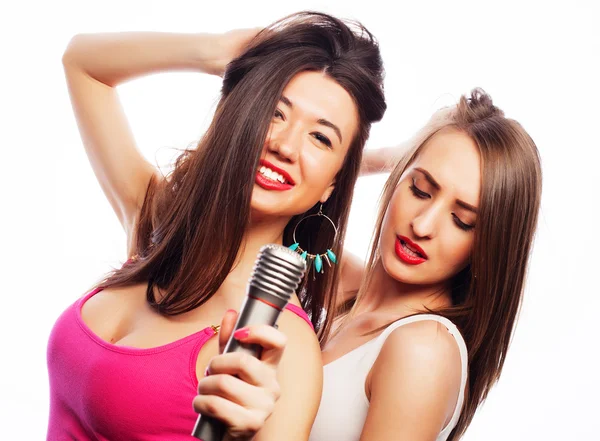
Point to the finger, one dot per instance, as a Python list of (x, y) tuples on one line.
[(270, 339), (236, 417), (238, 391), (244, 366), (227, 326)]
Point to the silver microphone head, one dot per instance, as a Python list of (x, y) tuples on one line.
[(278, 271)]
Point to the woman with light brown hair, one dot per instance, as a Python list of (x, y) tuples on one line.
[(416, 352)]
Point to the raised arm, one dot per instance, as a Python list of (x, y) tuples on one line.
[(95, 64), (414, 384), (383, 160), (380, 160)]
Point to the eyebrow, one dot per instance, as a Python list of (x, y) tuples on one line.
[(321, 121), (437, 186)]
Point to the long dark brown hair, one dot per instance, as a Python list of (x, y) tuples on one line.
[(192, 223), (486, 295)]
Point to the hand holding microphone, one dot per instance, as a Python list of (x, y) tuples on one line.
[(241, 390)]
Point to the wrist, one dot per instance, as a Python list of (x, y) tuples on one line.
[(219, 49), (209, 53)]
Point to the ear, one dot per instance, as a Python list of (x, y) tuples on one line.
[(327, 193)]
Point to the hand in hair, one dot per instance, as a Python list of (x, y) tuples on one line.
[(228, 46), (239, 389), (383, 160)]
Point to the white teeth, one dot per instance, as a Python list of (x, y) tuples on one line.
[(274, 176)]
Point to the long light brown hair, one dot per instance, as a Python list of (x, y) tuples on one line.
[(192, 223), (487, 294)]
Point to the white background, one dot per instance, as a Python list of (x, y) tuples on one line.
[(538, 60)]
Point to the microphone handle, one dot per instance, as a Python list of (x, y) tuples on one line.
[(259, 308)]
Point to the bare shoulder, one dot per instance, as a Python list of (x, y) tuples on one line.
[(301, 338), (418, 374), (302, 356), (425, 343), (291, 323), (300, 376)]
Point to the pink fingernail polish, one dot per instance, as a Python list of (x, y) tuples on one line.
[(206, 373), (241, 333)]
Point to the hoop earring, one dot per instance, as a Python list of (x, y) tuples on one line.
[(316, 259)]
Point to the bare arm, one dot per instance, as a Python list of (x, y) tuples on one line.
[(95, 64), (300, 376), (413, 385), (380, 160), (383, 160)]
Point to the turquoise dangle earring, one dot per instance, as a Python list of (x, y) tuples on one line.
[(316, 259)]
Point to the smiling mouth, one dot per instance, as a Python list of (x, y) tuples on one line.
[(272, 175)]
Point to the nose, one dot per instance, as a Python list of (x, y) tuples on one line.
[(424, 224), (285, 143)]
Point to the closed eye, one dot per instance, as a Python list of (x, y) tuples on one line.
[(322, 138), (419, 193), (460, 224)]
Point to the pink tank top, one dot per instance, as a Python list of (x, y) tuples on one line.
[(101, 392)]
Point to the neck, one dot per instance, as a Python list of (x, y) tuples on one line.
[(387, 295), (258, 233)]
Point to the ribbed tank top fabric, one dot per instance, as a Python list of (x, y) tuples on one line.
[(101, 392), (344, 403)]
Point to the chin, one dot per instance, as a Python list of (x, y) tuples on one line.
[(410, 275), (403, 277), (262, 210), (262, 207)]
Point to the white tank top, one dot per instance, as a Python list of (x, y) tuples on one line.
[(344, 403)]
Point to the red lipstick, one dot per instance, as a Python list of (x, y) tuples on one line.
[(409, 252), (271, 184)]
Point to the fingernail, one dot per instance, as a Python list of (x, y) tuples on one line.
[(241, 333), (230, 310), (206, 373)]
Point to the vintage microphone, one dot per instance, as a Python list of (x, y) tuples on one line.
[(275, 278)]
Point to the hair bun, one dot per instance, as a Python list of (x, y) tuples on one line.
[(477, 106)]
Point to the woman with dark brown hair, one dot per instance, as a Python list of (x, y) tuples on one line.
[(285, 144), (426, 337)]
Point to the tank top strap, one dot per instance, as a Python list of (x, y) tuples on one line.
[(300, 313), (419, 318)]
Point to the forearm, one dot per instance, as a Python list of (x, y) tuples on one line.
[(378, 160), (117, 57)]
